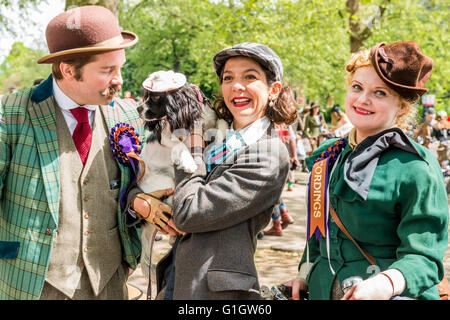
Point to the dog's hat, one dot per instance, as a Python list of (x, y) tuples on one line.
[(164, 81), (84, 31)]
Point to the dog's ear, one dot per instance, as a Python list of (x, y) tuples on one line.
[(155, 128), (183, 108)]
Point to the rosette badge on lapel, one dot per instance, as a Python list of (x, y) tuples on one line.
[(126, 147)]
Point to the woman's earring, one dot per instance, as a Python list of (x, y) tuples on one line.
[(271, 103)]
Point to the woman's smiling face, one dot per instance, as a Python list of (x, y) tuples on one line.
[(245, 90), (371, 105)]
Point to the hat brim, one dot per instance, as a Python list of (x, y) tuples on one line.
[(406, 91), (129, 39)]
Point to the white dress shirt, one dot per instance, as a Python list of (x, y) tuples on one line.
[(65, 103)]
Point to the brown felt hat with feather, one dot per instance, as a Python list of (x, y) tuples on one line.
[(403, 67)]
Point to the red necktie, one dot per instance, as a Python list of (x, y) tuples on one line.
[(82, 136)]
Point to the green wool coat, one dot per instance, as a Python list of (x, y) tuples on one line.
[(403, 224), (30, 190)]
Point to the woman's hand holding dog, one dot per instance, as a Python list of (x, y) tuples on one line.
[(156, 212)]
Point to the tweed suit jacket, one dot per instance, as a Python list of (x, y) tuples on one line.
[(222, 213), (30, 189)]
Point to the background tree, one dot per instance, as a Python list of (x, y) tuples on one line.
[(314, 38), (9, 25), (20, 69), (112, 5)]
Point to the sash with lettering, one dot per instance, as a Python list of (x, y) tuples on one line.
[(317, 201)]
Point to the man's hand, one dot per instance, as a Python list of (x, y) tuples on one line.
[(293, 160), (156, 212)]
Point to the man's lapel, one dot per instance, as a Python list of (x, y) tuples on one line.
[(42, 115), (113, 115)]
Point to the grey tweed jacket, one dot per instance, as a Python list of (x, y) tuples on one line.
[(222, 213)]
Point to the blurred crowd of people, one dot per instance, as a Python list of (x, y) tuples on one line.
[(434, 133), (311, 129)]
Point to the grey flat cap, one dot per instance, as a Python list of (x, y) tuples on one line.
[(260, 53)]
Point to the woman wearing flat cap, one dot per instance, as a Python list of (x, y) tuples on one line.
[(385, 190), (229, 199)]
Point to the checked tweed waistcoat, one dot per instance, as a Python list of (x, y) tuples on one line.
[(30, 189), (87, 234)]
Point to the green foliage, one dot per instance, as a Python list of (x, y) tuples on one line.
[(25, 6), (311, 38), (20, 69)]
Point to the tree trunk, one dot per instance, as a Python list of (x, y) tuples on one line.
[(359, 33), (112, 5), (355, 25)]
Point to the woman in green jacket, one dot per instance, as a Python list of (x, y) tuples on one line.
[(314, 126), (387, 190)]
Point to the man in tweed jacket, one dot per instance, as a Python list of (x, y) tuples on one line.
[(62, 234)]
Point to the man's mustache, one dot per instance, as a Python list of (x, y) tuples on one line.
[(111, 91)]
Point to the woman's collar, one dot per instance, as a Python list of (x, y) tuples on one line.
[(254, 131)]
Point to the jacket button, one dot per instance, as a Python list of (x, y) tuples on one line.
[(48, 231), (86, 215), (85, 181), (85, 249), (86, 198)]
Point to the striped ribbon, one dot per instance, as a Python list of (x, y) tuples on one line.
[(317, 201), (219, 152)]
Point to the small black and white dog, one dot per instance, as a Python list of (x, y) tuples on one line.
[(170, 108)]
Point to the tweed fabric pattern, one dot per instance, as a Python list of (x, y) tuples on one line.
[(259, 52), (29, 186)]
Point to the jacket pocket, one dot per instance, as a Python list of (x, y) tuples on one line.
[(8, 249), (220, 280)]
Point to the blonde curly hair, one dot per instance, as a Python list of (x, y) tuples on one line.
[(362, 59)]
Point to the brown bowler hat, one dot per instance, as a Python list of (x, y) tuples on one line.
[(84, 31), (403, 67)]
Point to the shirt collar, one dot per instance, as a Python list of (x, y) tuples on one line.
[(64, 101), (254, 131)]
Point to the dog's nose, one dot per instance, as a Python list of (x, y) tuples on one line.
[(140, 109)]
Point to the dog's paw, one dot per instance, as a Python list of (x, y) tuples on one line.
[(182, 158), (187, 163)]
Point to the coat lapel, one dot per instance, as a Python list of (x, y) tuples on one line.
[(112, 116), (43, 119)]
